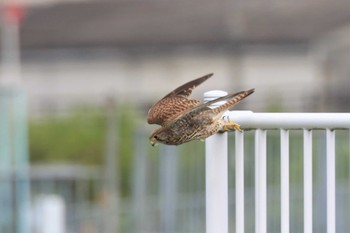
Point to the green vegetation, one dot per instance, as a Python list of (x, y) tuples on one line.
[(76, 138), (79, 137)]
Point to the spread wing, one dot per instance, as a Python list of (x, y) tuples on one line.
[(231, 100), (175, 103)]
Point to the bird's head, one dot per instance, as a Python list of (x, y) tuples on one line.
[(153, 140), (158, 136)]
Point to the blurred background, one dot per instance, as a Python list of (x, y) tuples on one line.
[(78, 76)]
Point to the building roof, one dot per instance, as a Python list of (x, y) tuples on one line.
[(163, 22)]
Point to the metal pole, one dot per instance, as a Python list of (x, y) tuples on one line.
[(13, 122), (216, 166), (21, 163), (284, 180), (6, 195), (251, 120), (331, 224), (168, 188), (11, 64), (139, 184), (111, 174), (239, 145), (260, 181), (307, 181)]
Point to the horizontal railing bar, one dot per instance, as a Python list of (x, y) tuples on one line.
[(251, 120)]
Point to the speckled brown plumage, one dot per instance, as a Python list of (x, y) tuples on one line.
[(183, 119), (174, 103)]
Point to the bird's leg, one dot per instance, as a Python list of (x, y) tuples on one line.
[(231, 124)]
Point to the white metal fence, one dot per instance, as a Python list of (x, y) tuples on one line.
[(217, 169)]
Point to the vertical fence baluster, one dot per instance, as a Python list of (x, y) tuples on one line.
[(330, 137), (252, 120), (216, 175), (284, 181), (307, 135), (168, 188), (216, 184), (260, 181), (239, 137)]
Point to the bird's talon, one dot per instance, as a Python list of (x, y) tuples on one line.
[(233, 125)]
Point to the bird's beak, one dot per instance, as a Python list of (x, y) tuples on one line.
[(153, 142)]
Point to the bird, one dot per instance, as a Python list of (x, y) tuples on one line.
[(182, 119)]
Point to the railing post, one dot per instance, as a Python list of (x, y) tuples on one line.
[(260, 181), (307, 134), (239, 167), (216, 166), (331, 224), (284, 135)]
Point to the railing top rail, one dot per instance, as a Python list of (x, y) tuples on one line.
[(251, 120)]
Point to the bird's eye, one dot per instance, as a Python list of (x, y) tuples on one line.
[(156, 137)]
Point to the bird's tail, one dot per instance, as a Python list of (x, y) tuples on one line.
[(232, 99)]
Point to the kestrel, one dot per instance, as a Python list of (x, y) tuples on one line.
[(183, 119)]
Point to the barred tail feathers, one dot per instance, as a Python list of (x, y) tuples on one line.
[(233, 99)]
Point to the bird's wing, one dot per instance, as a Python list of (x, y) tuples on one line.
[(186, 89), (175, 103), (232, 99)]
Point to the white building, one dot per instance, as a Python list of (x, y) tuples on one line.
[(81, 52)]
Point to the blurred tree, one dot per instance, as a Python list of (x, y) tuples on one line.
[(77, 138), (80, 138)]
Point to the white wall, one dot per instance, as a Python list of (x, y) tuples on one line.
[(57, 79)]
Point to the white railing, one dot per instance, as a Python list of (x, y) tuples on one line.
[(217, 168)]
